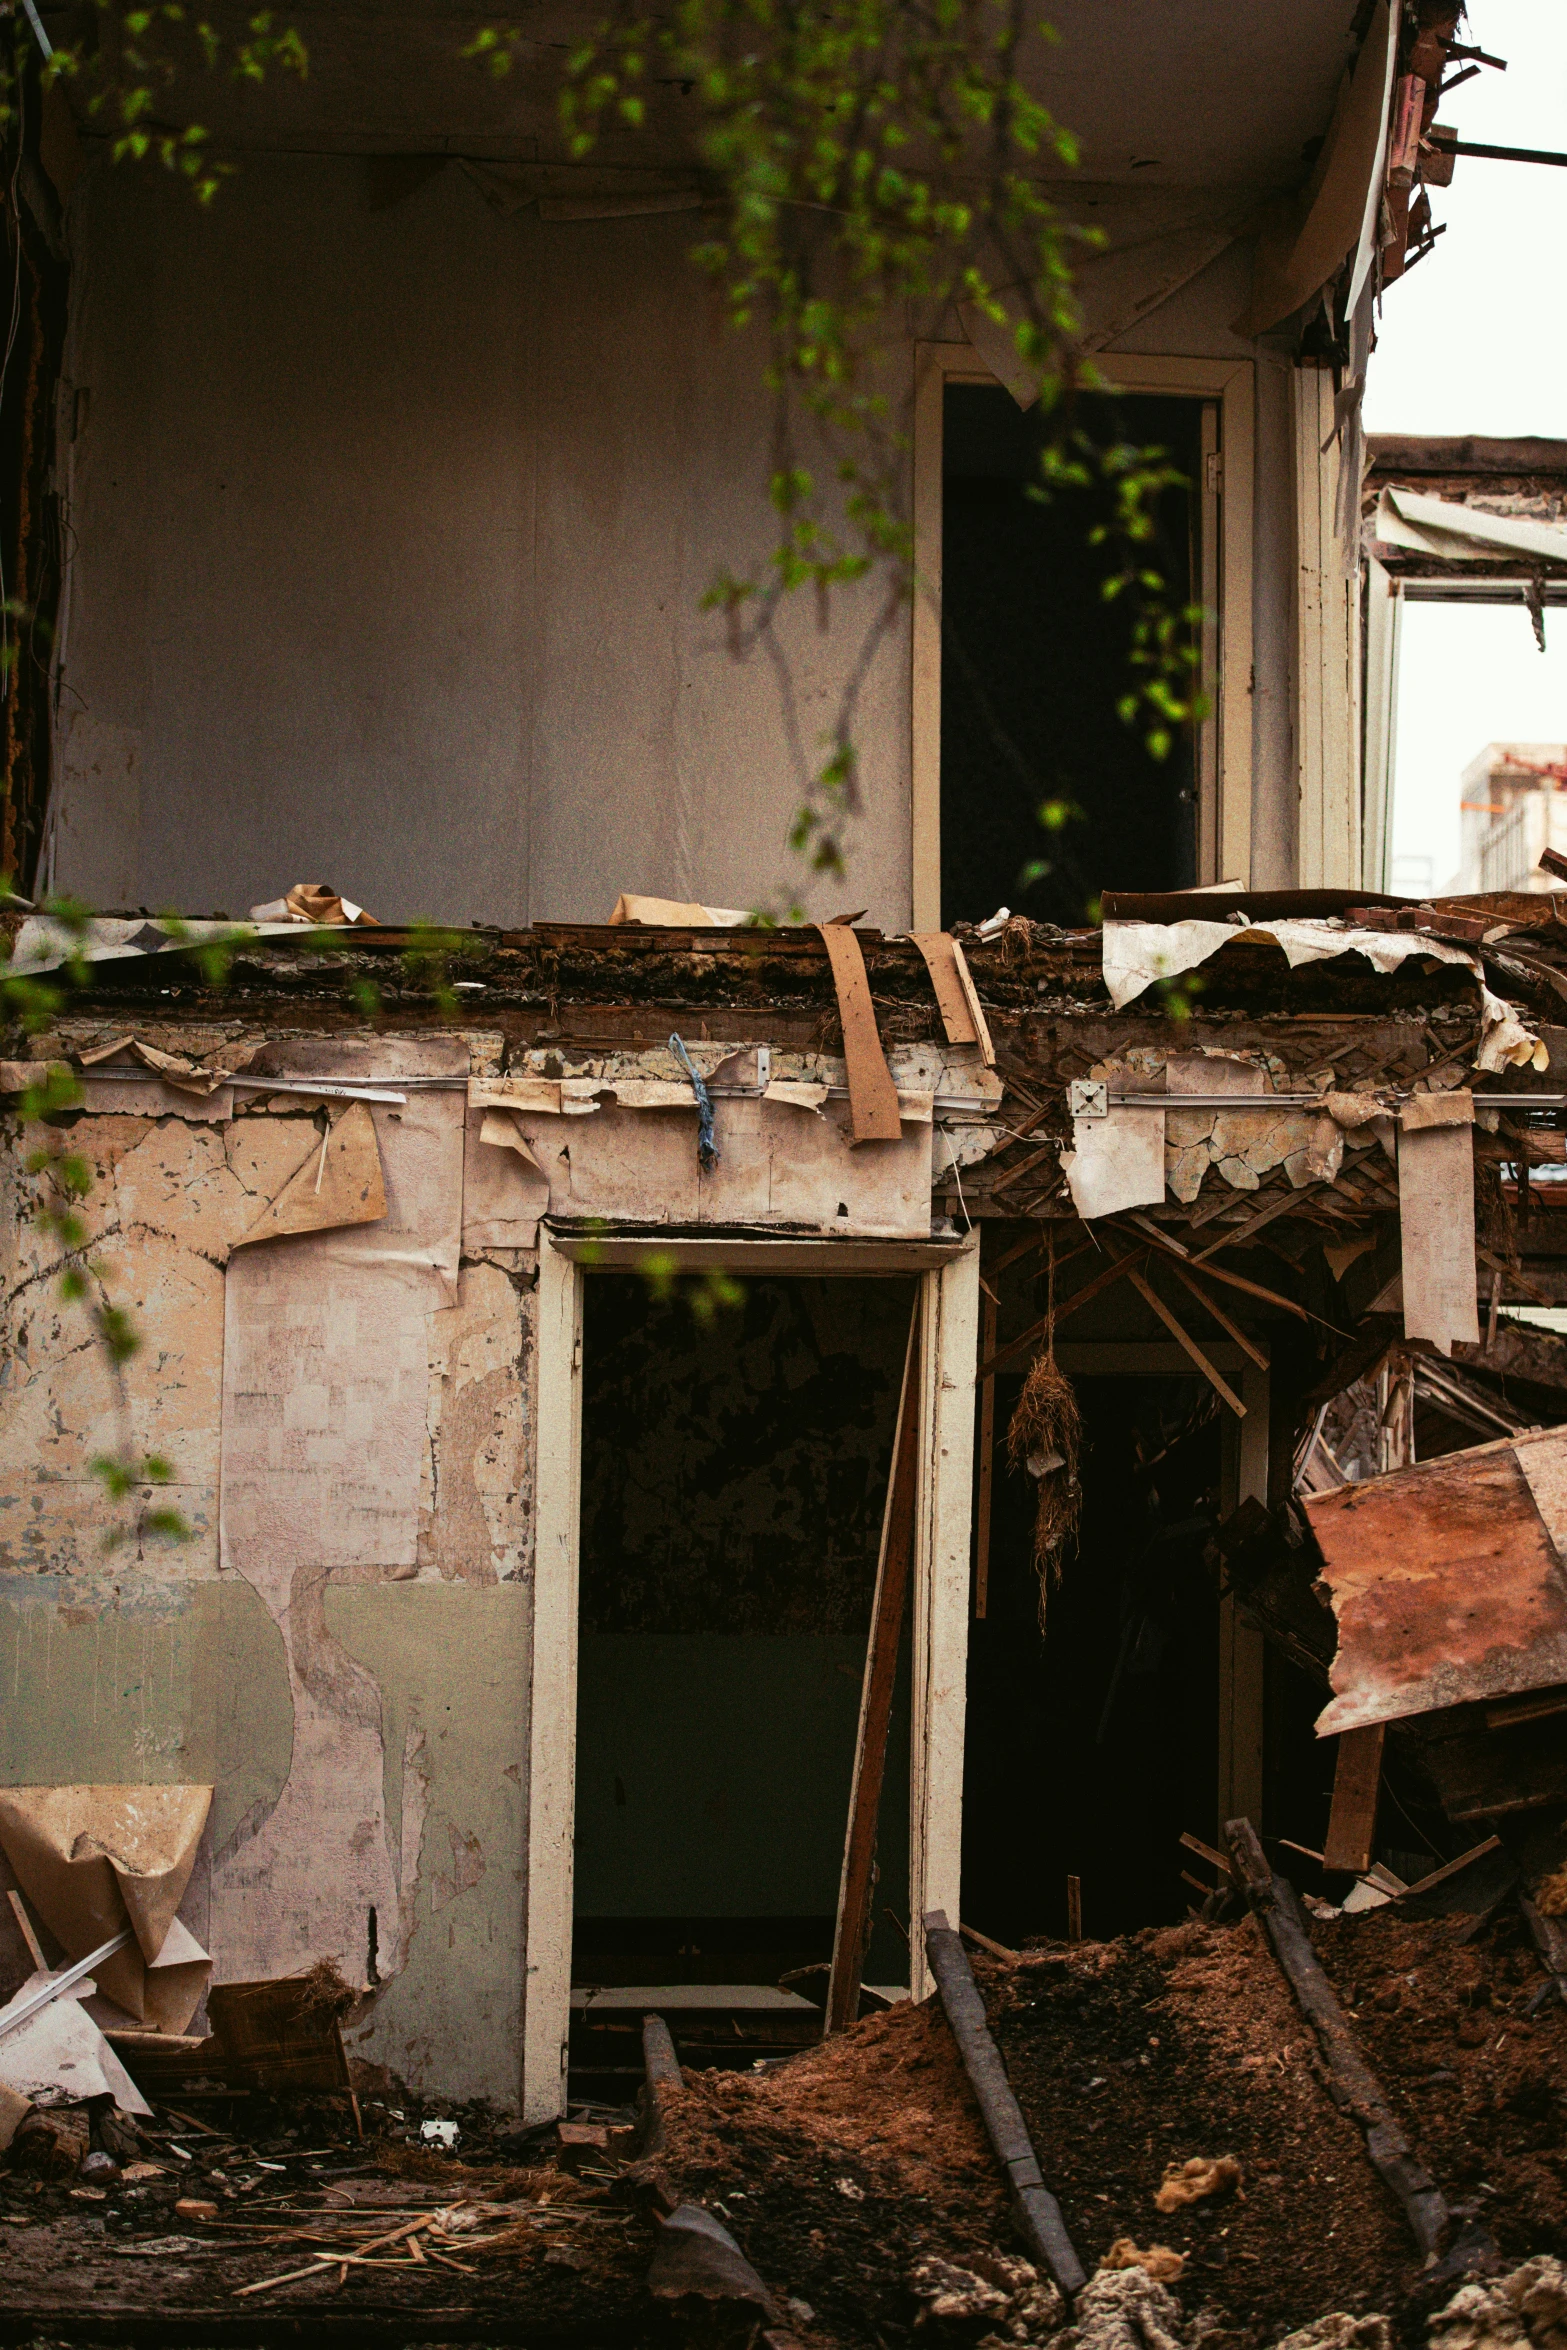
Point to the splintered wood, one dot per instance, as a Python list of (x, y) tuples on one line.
[(881, 1666)]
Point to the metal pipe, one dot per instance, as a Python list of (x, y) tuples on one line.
[(58, 1985)]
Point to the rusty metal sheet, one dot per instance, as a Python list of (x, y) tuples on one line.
[(1446, 1583)]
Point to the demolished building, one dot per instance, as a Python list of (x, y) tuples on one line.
[(585, 1343)]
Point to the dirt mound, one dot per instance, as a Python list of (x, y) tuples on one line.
[(842, 2170)]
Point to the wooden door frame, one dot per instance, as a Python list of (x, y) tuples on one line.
[(949, 1330), (1224, 761)]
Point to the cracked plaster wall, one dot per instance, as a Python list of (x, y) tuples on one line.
[(158, 1661)]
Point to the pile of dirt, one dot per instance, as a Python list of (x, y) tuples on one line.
[(841, 2170)]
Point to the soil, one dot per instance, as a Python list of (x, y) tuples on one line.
[(841, 2169), (1128, 2057)]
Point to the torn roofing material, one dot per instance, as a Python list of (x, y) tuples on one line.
[(1447, 1581)]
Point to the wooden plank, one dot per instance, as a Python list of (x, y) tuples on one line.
[(1079, 1297), (552, 1728), (873, 1098), (1451, 1868), (1206, 1852), (982, 1036), (1035, 2209), (940, 954), (1357, 1783), (983, 1942), (1272, 1297), (1349, 2079), (1437, 1233), (1074, 1909), (987, 1459), (1242, 1233), (1220, 1385), (851, 1934), (1211, 1305)]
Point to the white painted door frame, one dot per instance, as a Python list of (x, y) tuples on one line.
[(949, 1330)]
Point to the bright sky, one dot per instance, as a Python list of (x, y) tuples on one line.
[(1475, 340)]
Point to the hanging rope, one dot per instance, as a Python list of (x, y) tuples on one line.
[(1045, 1439)]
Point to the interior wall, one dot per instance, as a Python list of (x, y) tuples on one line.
[(391, 528), (734, 1476)]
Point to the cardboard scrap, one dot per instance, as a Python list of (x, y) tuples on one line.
[(339, 1183), (14, 2110), (676, 913), (1116, 1162), (59, 2057), (550, 1097), (173, 1068), (504, 1189), (1436, 1218), (873, 1098), (93, 1860), (798, 1092), (500, 1129), (313, 901)]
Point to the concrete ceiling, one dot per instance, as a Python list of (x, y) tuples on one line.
[(1195, 93)]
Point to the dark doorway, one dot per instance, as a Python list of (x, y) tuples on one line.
[(1035, 661), (1093, 1745), (734, 1471)]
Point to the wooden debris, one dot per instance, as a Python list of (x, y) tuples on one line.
[(1349, 2079), (1184, 1338), (1035, 2209), (991, 1949), (1451, 1868), (873, 1098), (987, 1458), (1357, 1783), (852, 1931), (1215, 1860)]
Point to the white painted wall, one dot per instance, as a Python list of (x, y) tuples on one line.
[(390, 530), (390, 533)]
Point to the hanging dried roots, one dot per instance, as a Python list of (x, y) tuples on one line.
[(1045, 1439)]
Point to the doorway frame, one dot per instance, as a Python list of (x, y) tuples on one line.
[(1225, 497), (949, 1334)]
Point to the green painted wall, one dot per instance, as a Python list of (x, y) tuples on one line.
[(452, 1663), (134, 1677), (713, 1774)]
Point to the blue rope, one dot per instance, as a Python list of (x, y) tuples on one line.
[(706, 1147)]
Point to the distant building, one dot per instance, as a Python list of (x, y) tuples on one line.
[(1513, 809)]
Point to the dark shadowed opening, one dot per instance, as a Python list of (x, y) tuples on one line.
[(1034, 662), (1093, 1745), (734, 1476)]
